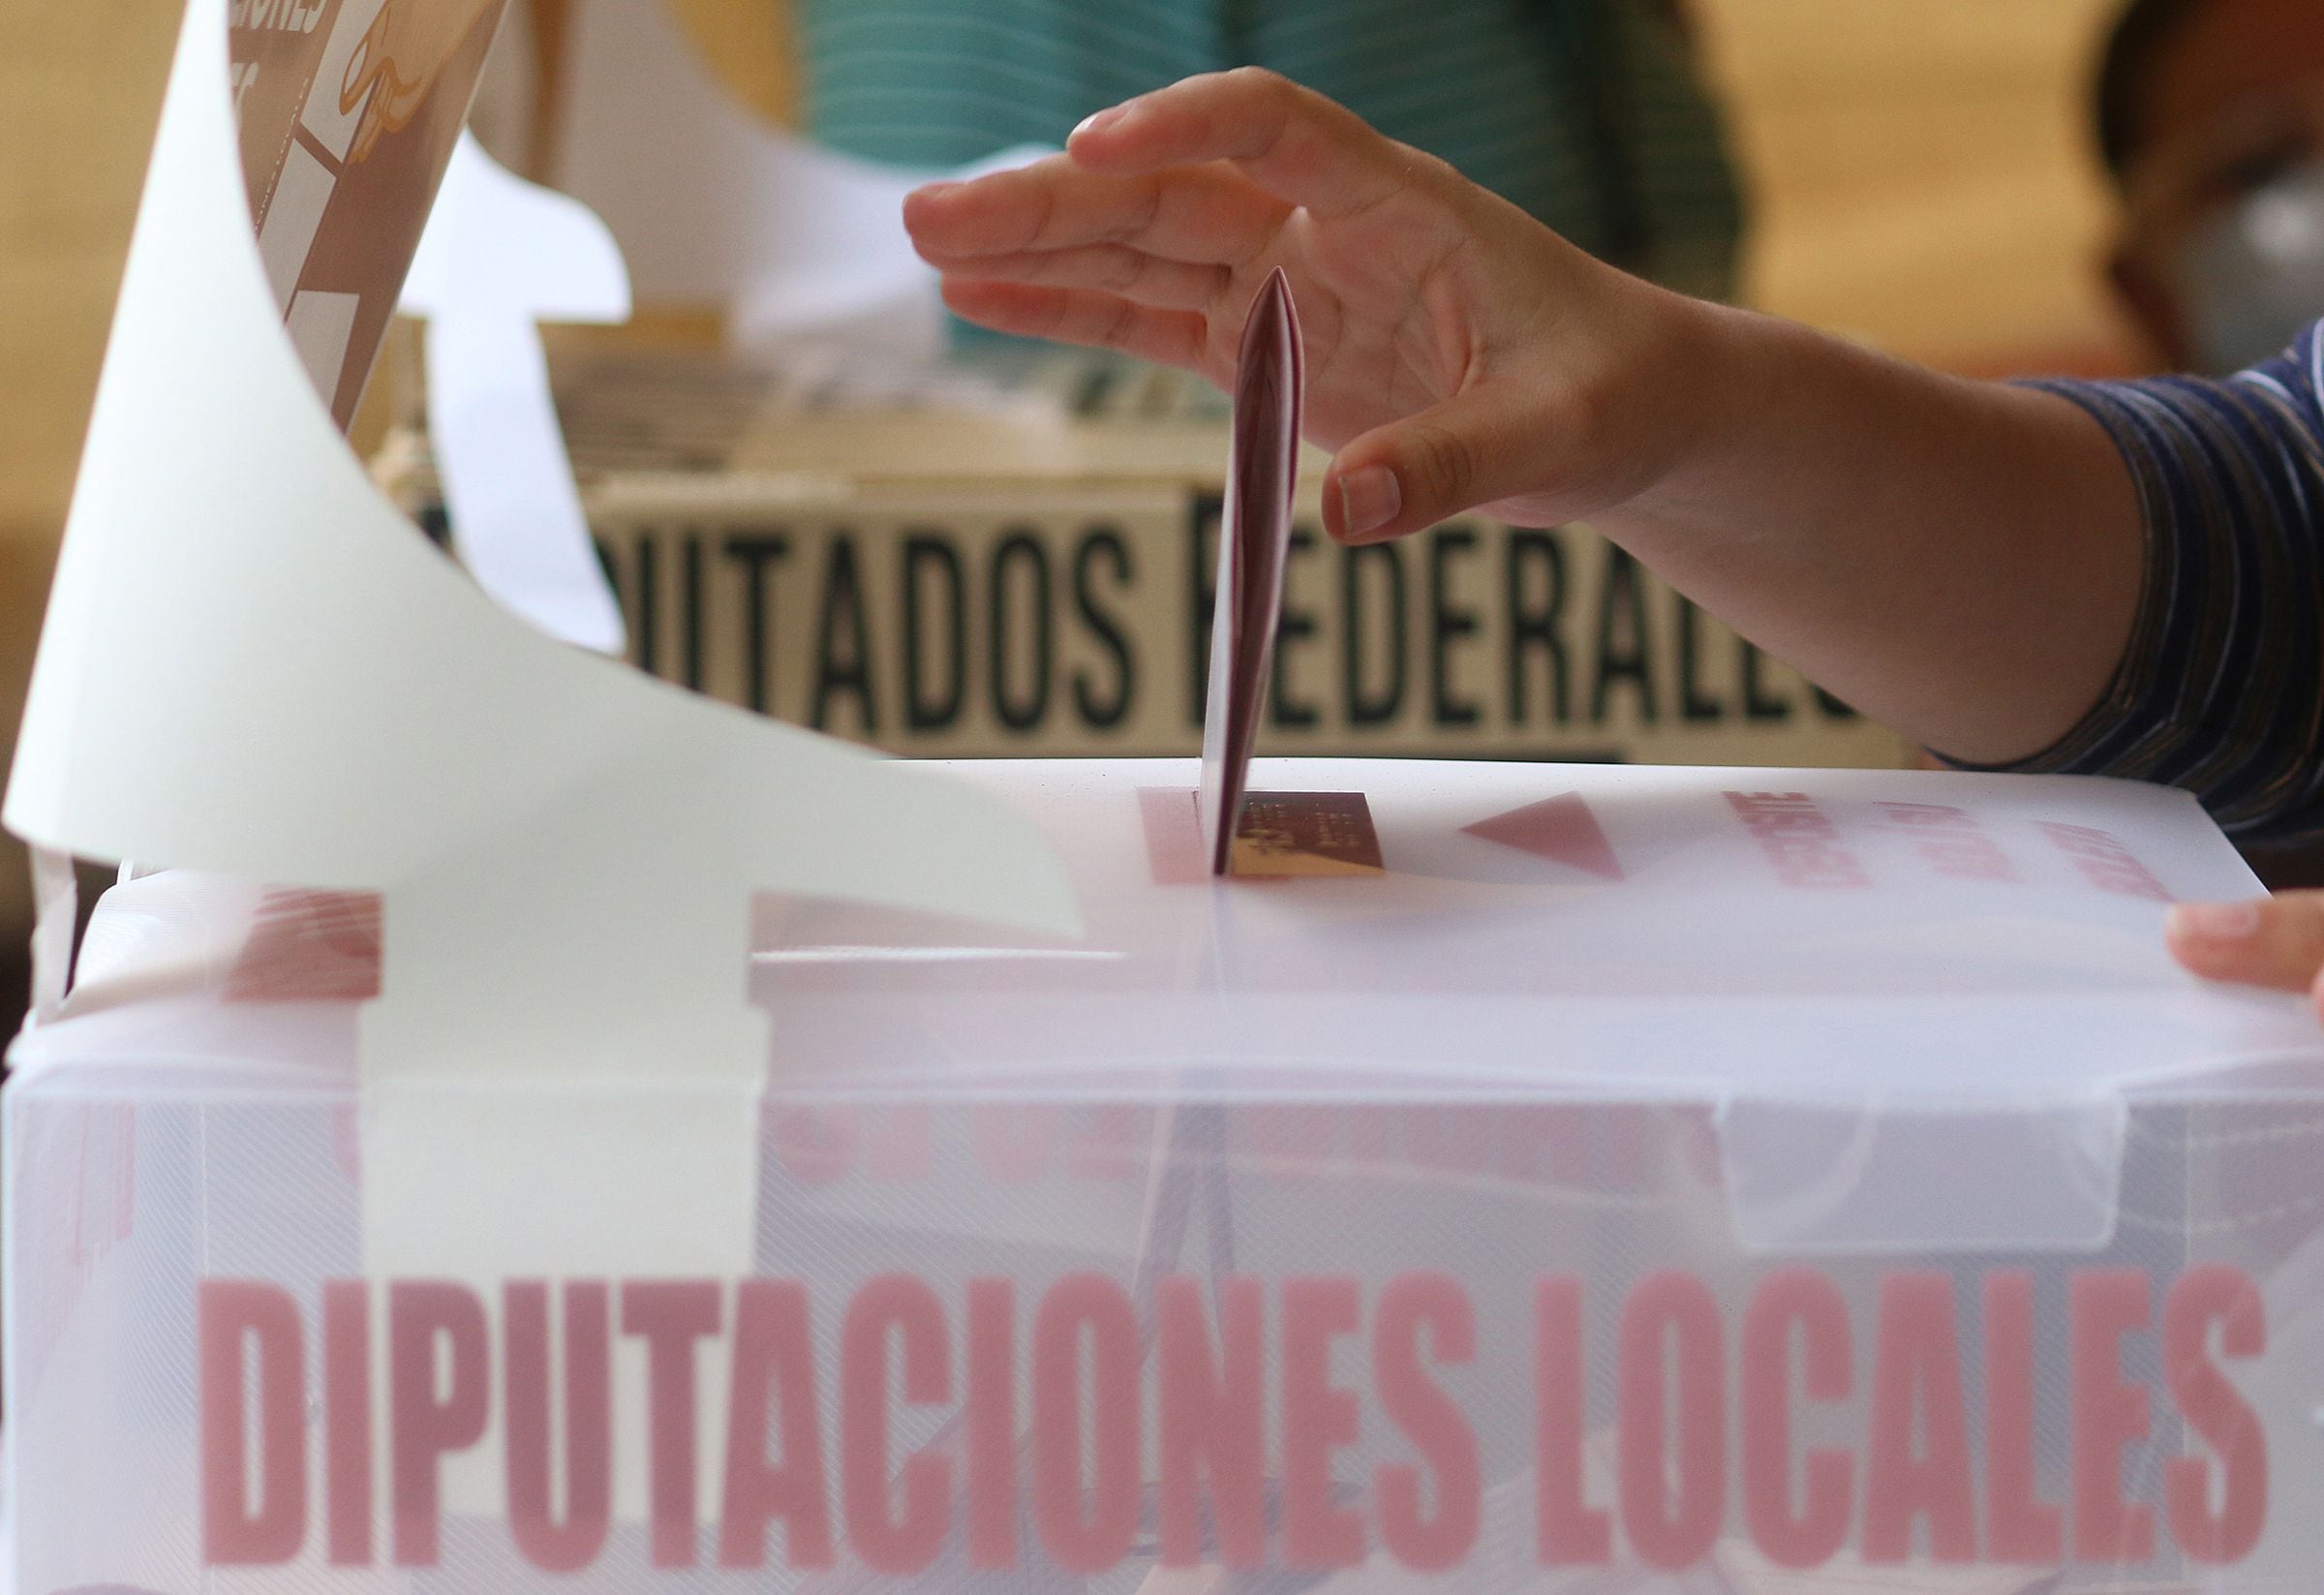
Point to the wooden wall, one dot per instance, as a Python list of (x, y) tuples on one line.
[(1925, 173), (80, 87)]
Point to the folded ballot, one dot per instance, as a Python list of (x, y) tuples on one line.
[(1511, 1176)]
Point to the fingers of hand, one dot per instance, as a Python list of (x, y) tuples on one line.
[(1428, 468), (1305, 149), (1083, 316), (1202, 215), (1115, 268), (2276, 942)]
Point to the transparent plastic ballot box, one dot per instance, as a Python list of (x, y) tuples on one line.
[(1569, 1179)]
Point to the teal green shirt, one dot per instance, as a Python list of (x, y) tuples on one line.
[(1585, 112)]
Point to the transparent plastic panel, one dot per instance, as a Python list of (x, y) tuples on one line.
[(1568, 1202), (1302, 1344)]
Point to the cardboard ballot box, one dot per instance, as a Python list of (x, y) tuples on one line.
[(1019, 559), (1575, 1178)]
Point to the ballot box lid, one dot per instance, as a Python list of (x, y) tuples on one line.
[(1917, 1007)]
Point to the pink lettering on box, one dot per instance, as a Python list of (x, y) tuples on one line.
[(1807, 1526), (897, 1511), (1085, 1498), (582, 1412), (2020, 1526), (438, 1400), (1800, 840), (2210, 1298), (1213, 1420), (772, 1402), (671, 1315), (1569, 1531), (1951, 842), (1814, 1420), (252, 1356), (1917, 1462), (2101, 859), (1426, 1318), (1319, 1419), (1673, 1462)]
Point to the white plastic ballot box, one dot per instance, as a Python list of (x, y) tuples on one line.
[(1539, 1178)]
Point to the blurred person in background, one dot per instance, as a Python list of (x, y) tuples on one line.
[(1587, 114), (2211, 122), (2209, 119)]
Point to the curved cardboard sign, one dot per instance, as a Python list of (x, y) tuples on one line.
[(347, 111), (252, 665)]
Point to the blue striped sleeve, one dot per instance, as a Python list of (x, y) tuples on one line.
[(2221, 688)]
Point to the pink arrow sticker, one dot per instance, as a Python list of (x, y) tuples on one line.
[(1561, 829), (1253, 535)]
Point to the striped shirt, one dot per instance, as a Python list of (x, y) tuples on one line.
[(2222, 688), (1587, 113)]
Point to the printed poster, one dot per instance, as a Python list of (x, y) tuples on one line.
[(349, 111)]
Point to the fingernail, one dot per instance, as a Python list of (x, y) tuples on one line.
[(936, 191), (1368, 500), (1100, 120), (2215, 921)]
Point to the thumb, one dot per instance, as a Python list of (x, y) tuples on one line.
[(1471, 450), (2274, 941)]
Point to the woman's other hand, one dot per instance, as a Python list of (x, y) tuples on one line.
[(2274, 941)]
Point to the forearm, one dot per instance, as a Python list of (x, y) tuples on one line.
[(1960, 560), (2126, 579)]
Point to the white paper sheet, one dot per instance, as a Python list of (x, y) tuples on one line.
[(500, 256), (714, 207), (252, 665)]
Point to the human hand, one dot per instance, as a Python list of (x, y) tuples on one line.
[(1849, 513), (398, 61), (2274, 941), (1459, 355)]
